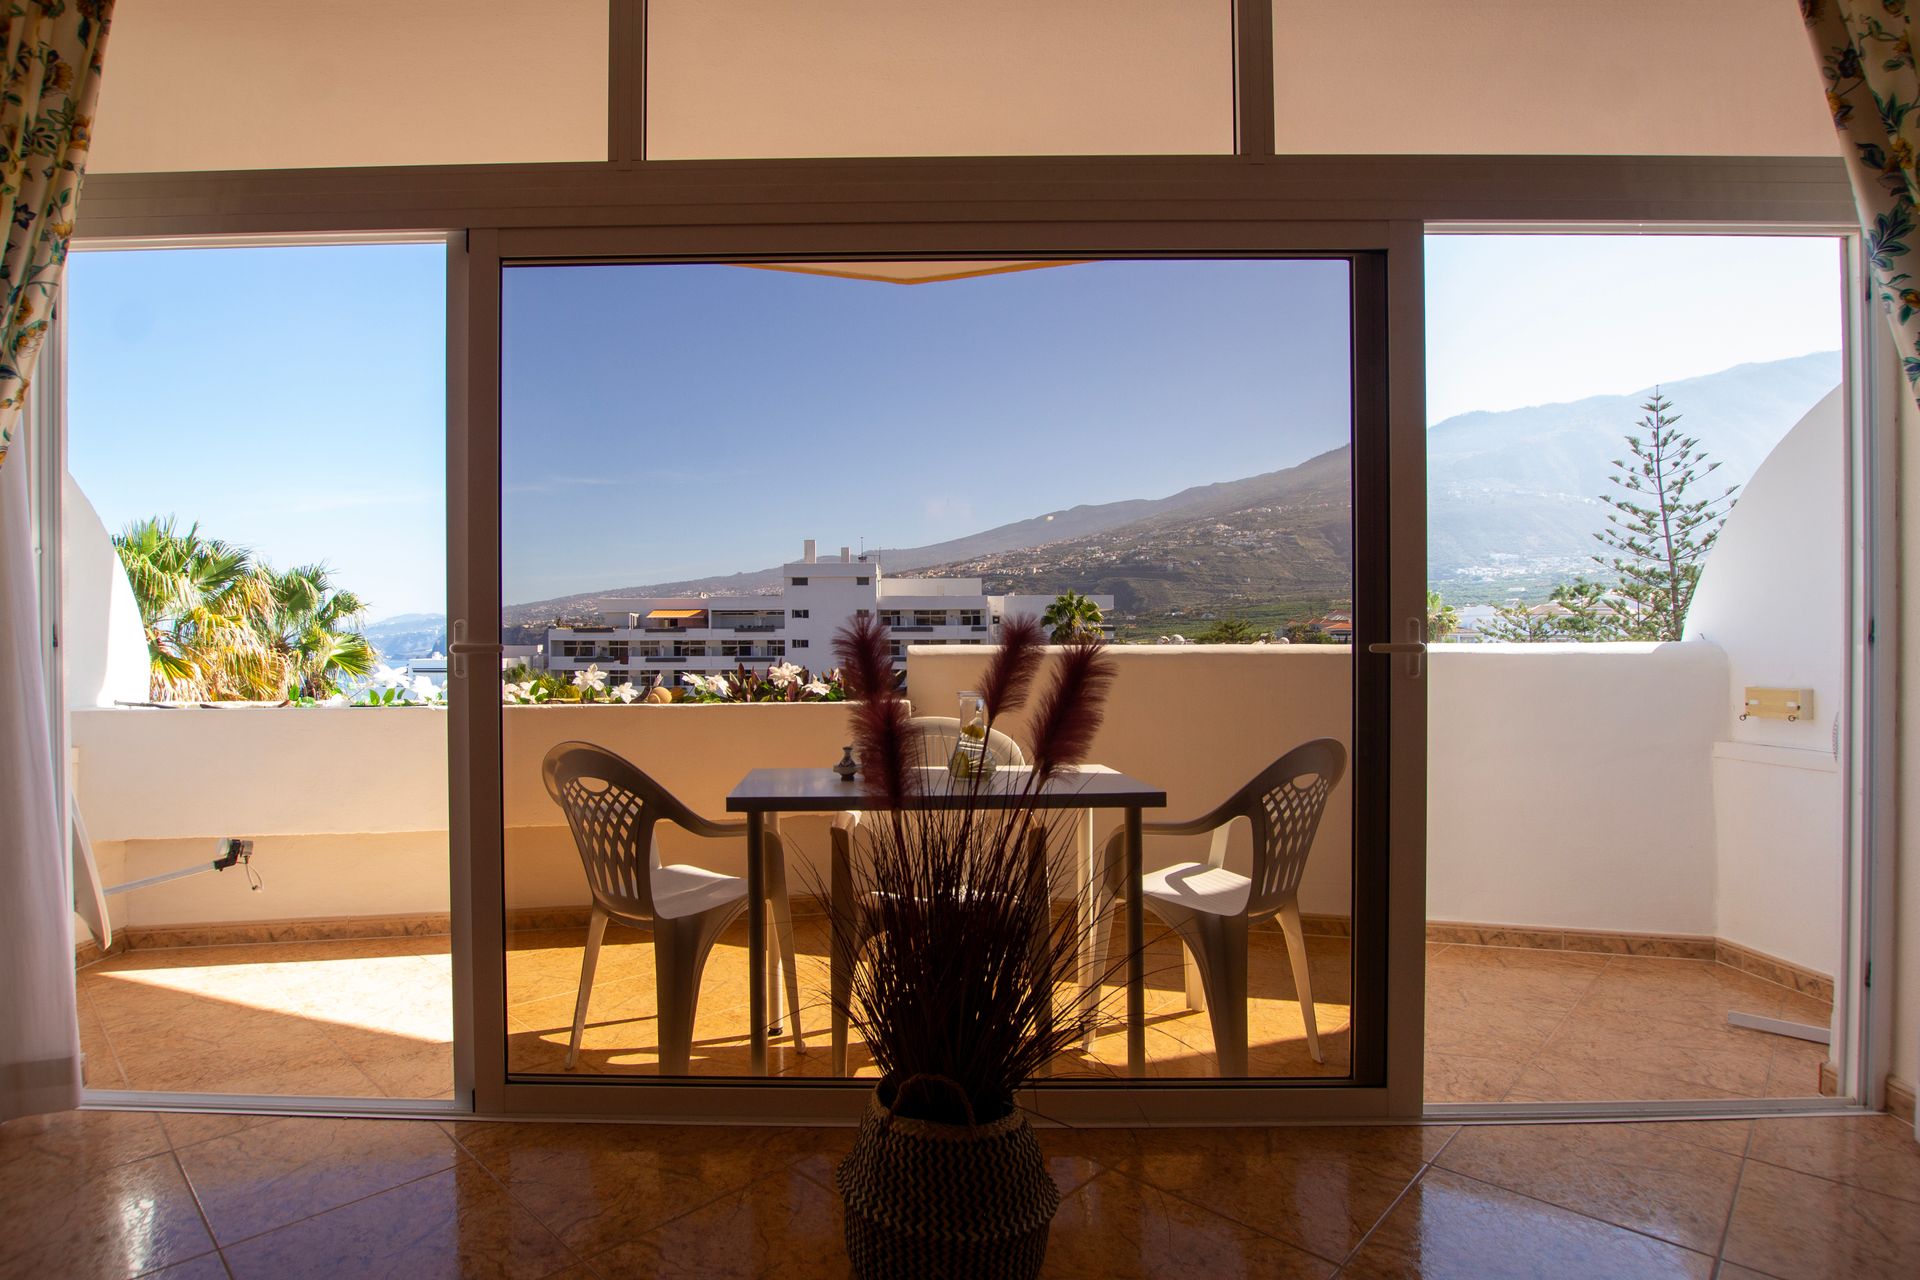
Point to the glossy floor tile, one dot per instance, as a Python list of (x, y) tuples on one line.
[(372, 1018), (205, 1197)]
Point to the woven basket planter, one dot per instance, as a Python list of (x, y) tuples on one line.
[(928, 1201)]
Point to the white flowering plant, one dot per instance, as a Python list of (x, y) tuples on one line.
[(391, 686), (782, 682)]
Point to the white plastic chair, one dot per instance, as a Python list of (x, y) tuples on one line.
[(611, 807), (1211, 908)]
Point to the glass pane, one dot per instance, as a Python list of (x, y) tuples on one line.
[(244, 558), (1514, 77), (1168, 439), (252, 84), (763, 78), (1637, 513)]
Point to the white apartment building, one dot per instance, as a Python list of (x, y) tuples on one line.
[(655, 640)]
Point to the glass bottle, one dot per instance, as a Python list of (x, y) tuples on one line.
[(972, 757)]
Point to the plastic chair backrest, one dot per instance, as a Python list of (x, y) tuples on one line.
[(939, 734), (611, 807), (1285, 804)]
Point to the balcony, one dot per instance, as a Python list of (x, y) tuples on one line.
[(334, 978)]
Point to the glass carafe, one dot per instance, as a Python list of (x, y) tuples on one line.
[(972, 757)]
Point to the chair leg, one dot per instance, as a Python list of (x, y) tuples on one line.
[(1196, 986), (589, 959), (1302, 980), (1219, 944), (783, 934)]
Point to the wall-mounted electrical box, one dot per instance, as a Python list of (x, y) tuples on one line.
[(1777, 704)]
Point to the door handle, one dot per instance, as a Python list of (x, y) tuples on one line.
[(459, 647), (1414, 647)]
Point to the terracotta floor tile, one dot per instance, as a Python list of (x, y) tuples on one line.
[(457, 1223), (1453, 1226), (1676, 1191), (785, 1224), (1728, 1136), (1795, 1072), (100, 1065), (208, 1266), (184, 1128), (78, 1142), (1116, 1227), (1567, 1075), (1877, 1153), (272, 1174), (124, 1219), (1318, 1188), (1459, 1077), (1800, 1227), (597, 1186)]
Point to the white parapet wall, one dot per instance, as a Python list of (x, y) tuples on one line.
[(1569, 786)]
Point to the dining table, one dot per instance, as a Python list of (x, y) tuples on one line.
[(765, 795)]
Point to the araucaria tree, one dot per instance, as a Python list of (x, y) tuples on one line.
[(1664, 520)]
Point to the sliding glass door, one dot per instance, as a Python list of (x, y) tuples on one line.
[(706, 471)]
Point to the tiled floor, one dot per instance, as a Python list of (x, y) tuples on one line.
[(543, 973), (371, 1018), (1506, 1024), (112, 1194)]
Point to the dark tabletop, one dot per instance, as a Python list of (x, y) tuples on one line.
[(822, 791)]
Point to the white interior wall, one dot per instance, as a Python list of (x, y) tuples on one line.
[(288, 84), (1773, 597), (1517, 77)]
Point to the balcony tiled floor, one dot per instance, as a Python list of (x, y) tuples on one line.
[(121, 1194), (371, 1018)]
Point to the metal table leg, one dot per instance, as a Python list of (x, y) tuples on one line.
[(1136, 951), (757, 943)]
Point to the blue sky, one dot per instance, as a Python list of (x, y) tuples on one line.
[(665, 422), (709, 418), (290, 400)]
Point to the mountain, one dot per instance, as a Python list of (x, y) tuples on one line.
[(1236, 547), (1512, 502), (408, 635), (1513, 496), (1050, 528)]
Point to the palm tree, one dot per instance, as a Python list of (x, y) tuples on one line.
[(312, 632), (198, 599), (1072, 617), (1442, 618), (222, 627)]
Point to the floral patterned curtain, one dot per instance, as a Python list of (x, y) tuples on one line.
[(47, 91), (1865, 48), (52, 79)]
